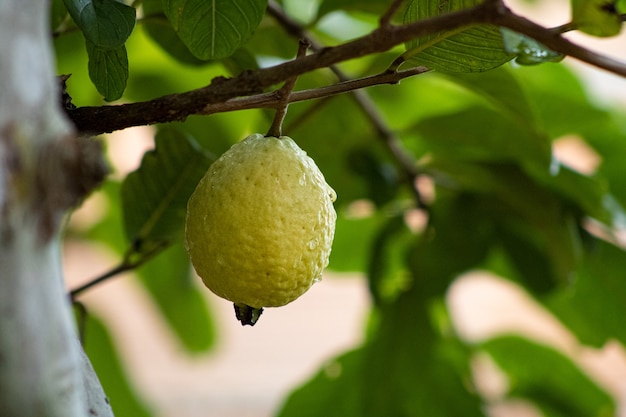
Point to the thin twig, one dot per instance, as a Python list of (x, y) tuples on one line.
[(385, 20), (276, 129), (122, 267), (271, 100)]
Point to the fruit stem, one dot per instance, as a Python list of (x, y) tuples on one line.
[(276, 129)]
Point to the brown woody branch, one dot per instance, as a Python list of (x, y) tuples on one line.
[(177, 107)]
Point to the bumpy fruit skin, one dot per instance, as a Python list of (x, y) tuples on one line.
[(260, 224)]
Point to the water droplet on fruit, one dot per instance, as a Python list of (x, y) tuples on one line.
[(313, 244)]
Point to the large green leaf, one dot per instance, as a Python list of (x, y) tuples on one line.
[(106, 362), (169, 281), (595, 304), (548, 378), (108, 70), (105, 23), (217, 28), (158, 27), (404, 370), (483, 134), (473, 49), (502, 89), (154, 197)]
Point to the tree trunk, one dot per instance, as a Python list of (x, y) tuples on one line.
[(42, 167)]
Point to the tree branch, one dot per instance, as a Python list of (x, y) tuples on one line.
[(177, 107)]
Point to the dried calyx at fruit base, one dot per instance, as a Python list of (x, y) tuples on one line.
[(260, 225)]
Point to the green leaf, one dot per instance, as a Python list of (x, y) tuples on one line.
[(106, 362), (381, 176), (214, 29), (403, 370), (474, 49), (352, 241), (108, 70), (596, 17), (333, 392), (594, 305), (548, 378), (158, 27), (169, 281), (388, 274), (528, 50), (58, 14), (502, 89), (105, 23), (482, 134), (154, 197)]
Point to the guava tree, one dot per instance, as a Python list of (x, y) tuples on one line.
[(466, 97)]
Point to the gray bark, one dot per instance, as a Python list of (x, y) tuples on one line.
[(42, 372)]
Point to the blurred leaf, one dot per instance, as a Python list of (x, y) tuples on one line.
[(352, 241), (105, 23), (595, 303), (482, 134), (475, 49), (381, 176), (528, 50), (108, 70), (106, 362), (507, 194), (561, 385), (217, 28), (501, 88), (154, 197), (157, 26), (457, 240), (403, 370), (333, 392), (169, 281), (596, 17), (527, 255), (58, 14), (388, 273)]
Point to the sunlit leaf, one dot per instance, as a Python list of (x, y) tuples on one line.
[(474, 49), (214, 29)]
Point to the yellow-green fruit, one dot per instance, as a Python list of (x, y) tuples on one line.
[(260, 224)]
